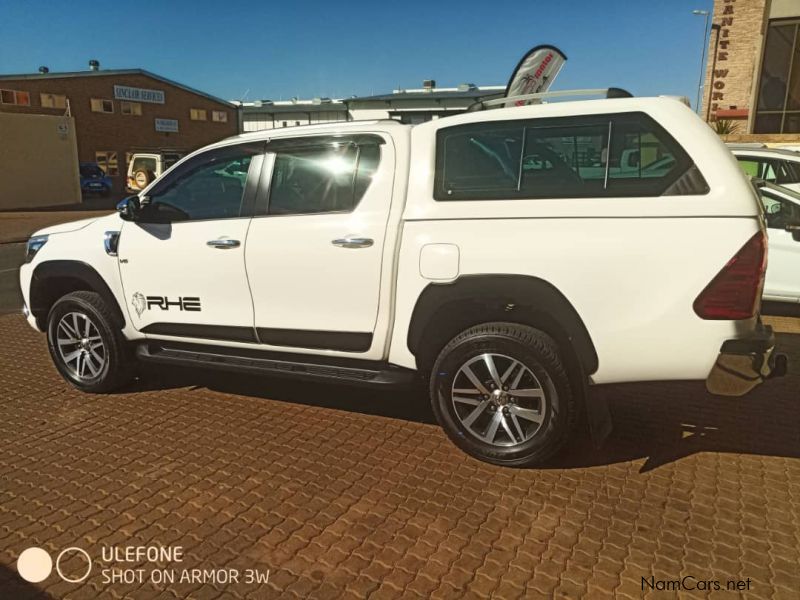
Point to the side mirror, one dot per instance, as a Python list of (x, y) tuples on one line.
[(128, 208), (794, 229)]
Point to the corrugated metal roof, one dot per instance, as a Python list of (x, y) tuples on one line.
[(111, 73)]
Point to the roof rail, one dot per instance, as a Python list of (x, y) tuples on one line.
[(607, 92), (753, 145)]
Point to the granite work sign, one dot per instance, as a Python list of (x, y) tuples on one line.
[(719, 75)]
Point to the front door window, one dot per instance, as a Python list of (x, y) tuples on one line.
[(211, 188)]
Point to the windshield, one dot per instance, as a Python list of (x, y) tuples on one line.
[(170, 159), (91, 171), (144, 163)]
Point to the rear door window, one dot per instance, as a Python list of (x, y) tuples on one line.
[(768, 169), (788, 172), (325, 177), (750, 167), (147, 164)]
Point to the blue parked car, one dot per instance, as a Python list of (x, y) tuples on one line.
[(94, 180)]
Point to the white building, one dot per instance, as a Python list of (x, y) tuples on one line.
[(266, 114), (407, 106)]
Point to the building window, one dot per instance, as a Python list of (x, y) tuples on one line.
[(220, 116), (130, 108), (15, 97), (107, 161), (198, 114), (53, 100), (103, 106), (778, 106)]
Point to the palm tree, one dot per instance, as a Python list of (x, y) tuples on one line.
[(725, 126)]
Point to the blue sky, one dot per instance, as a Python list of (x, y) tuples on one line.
[(273, 50)]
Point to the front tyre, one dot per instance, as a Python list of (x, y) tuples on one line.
[(501, 392), (86, 347)]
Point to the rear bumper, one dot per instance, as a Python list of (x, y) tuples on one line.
[(744, 363)]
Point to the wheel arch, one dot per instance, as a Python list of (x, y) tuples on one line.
[(53, 279), (442, 311)]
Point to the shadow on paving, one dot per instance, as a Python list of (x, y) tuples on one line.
[(13, 586), (409, 405), (664, 422), (660, 422)]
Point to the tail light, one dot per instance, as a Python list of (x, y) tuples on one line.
[(735, 292)]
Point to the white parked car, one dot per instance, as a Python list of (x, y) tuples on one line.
[(782, 208), (506, 257), (774, 165)]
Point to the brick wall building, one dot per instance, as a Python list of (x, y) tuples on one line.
[(753, 69), (119, 112)]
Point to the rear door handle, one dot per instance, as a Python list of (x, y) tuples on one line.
[(353, 242), (223, 244)]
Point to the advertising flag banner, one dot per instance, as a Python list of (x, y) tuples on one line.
[(535, 72)]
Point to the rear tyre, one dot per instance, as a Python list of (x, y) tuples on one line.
[(502, 393), (87, 348)]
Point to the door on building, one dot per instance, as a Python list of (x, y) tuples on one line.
[(182, 263)]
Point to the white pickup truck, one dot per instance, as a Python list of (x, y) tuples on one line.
[(502, 255)]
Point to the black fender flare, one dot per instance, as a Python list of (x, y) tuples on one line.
[(48, 272), (519, 290)]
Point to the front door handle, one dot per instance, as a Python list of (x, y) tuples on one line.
[(223, 244), (353, 242)]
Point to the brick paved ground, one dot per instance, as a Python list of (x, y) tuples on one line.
[(341, 492)]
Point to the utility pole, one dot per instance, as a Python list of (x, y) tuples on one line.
[(706, 14)]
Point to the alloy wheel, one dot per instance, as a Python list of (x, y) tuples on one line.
[(80, 346), (499, 400)]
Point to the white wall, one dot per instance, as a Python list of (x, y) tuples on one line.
[(39, 154), (259, 121), (368, 114), (781, 9)]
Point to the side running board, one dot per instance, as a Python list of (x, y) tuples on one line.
[(367, 373)]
